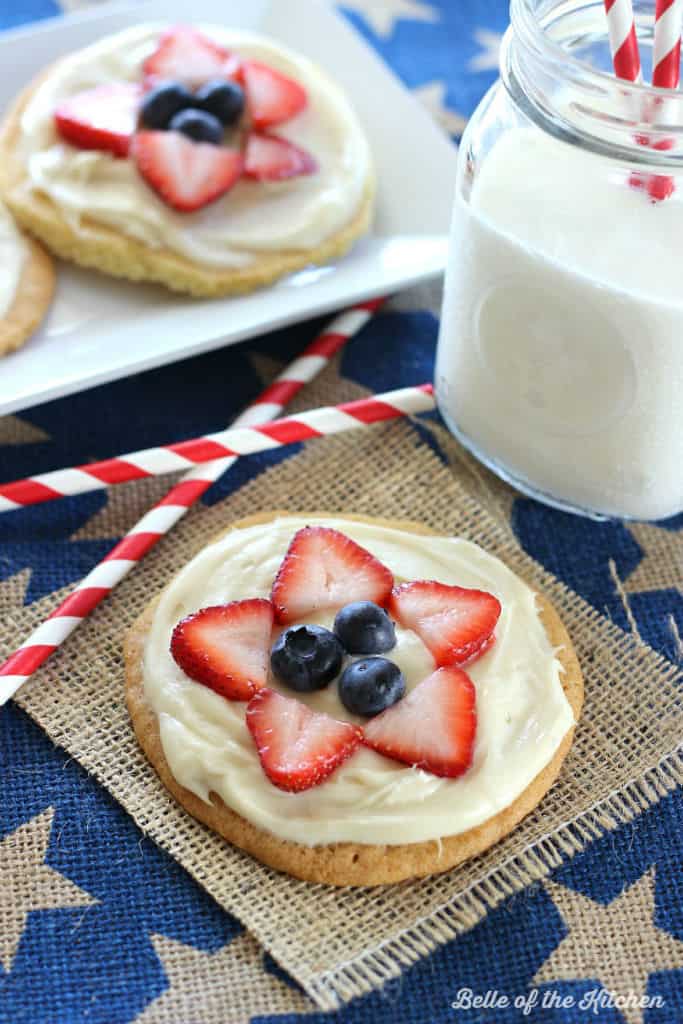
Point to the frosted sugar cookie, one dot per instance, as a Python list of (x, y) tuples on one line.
[(352, 701), (210, 160)]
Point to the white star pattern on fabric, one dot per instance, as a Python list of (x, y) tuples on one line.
[(13, 591), (665, 549), (489, 43), (33, 885), (230, 985), (68, 6), (433, 96), (382, 15), (265, 367), (617, 945), (15, 430)]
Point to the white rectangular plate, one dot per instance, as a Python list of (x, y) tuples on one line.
[(100, 329)]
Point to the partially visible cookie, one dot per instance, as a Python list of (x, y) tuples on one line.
[(32, 294)]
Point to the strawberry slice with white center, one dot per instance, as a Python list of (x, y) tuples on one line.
[(433, 727), (299, 748), (271, 158), (455, 623), (271, 96), (187, 175), (323, 569), (186, 55), (226, 647), (101, 118)]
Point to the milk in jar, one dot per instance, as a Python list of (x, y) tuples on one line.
[(560, 358)]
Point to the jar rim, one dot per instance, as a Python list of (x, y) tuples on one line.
[(529, 27), (606, 113)]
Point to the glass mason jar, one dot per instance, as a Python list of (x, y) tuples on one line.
[(560, 357)]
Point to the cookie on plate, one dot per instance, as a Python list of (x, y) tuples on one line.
[(352, 701), (210, 160), (27, 283)]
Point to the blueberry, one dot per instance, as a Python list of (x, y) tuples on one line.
[(197, 125), (364, 628), (223, 99), (161, 103), (306, 657), (371, 685)]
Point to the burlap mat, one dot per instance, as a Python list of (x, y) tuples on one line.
[(341, 943)]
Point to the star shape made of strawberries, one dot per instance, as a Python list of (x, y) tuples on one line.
[(234, 648), (199, 120)]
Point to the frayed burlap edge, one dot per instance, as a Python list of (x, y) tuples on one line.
[(363, 974)]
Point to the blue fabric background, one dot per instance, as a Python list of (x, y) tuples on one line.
[(101, 968)]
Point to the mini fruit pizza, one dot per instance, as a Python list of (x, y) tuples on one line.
[(352, 701), (212, 161)]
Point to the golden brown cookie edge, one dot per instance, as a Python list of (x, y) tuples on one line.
[(35, 289)]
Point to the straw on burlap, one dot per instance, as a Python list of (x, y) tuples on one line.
[(341, 943)]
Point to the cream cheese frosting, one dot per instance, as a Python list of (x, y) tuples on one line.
[(522, 710), (249, 220), (13, 252)]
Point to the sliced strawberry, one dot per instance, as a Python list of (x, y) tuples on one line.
[(226, 647), (186, 55), (271, 97), (101, 118), (324, 568), (486, 646), (453, 622), (187, 175), (433, 727), (270, 158), (299, 748)]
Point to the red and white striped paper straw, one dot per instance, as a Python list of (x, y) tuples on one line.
[(666, 55), (621, 28), (666, 73), (94, 587), (236, 441)]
